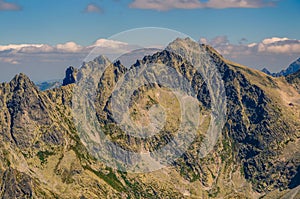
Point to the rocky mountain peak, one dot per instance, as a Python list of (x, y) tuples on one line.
[(93, 65), (187, 48), (118, 65), (163, 56), (101, 59), (189, 43), (21, 82), (182, 43)]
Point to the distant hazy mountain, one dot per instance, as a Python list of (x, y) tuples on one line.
[(129, 58), (48, 84), (257, 154), (294, 67), (266, 71)]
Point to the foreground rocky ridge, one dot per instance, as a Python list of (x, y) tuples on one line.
[(257, 154)]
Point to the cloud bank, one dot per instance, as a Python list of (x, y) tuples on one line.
[(164, 5), (68, 47), (43, 62), (66, 53), (274, 53), (274, 45)]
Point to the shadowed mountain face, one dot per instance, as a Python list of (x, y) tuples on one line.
[(70, 76), (256, 155), (48, 85), (294, 79)]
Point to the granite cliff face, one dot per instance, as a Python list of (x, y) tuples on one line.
[(257, 154)]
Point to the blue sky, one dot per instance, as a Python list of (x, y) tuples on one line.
[(224, 24), (58, 21)]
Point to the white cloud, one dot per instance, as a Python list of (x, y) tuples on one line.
[(44, 61), (252, 45), (106, 43), (38, 48), (23, 53), (203, 41), (238, 3), (93, 8), (279, 46), (285, 48), (6, 6), (273, 40), (163, 5), (18, 46), (274, 53), (110, 48), (8, 60), (272, 45), (220, 40), (69, 47)]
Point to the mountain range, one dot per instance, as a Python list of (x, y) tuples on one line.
[(46, 85), (256, 155), (292, 68)]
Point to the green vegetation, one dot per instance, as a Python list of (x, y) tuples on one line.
[(214, 192), (188, 173), (110, 178), (6, 157), (242, 171), (43, 155)]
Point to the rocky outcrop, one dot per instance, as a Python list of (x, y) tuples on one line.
[(70, 77), (16, 185)]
